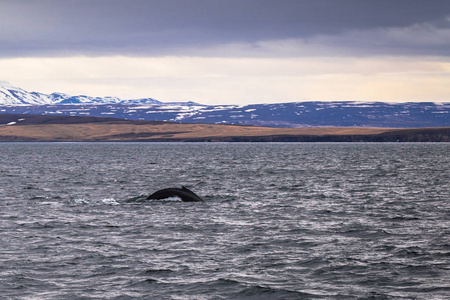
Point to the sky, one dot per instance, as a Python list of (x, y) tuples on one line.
[(229, 51)]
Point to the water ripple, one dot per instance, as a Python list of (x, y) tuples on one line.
[(280, 221)]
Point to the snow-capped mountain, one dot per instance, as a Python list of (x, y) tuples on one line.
[(12, 96), (298, 114)]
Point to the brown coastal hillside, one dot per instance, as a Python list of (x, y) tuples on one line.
[(31, 128)]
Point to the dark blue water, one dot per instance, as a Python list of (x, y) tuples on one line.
[(279, 221)]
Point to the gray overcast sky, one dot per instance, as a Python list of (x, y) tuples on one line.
[(148, 27), (229, 51)]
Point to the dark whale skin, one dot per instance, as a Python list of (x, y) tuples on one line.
[(184, 194)]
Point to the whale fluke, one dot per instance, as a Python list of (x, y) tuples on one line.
[(185, 194)]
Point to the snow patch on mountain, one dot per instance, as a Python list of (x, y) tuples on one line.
[(14, 96), (11, 95)]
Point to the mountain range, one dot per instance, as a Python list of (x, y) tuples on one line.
[(14, 100), (14, 96)]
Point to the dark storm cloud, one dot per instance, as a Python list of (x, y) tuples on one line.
[(146, 27)]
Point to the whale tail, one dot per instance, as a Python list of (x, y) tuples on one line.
[(184, 193)]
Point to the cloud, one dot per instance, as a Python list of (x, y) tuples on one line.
[(429, 39), (417, 39), (233, 51), (236, 80), (199, 27)]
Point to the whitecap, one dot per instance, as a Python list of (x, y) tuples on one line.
[(81, 201), (110, 201)]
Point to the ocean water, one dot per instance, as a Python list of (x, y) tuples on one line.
[(279, 221)]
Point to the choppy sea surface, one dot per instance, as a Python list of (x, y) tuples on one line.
[(279, 221)]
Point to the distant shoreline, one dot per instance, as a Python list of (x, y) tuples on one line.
[(44, 128)]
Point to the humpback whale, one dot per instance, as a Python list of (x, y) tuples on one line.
[(184, 194)]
